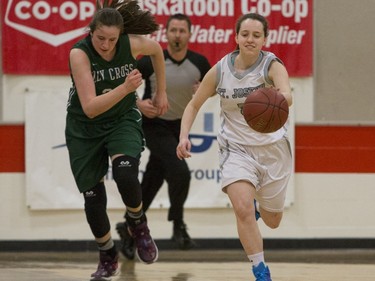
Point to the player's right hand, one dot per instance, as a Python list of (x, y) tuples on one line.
[(133, 80)]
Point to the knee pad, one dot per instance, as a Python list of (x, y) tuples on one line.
[(125, 174), (96, 210)]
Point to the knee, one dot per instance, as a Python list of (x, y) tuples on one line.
[(125, 170), (125, 174), (244, 211), (272, 224), (272, 220)]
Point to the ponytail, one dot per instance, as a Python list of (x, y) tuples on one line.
[(136, 21)]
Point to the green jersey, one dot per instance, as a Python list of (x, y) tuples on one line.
[(107, 75), (91, 142)]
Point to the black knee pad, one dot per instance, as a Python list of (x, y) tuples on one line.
[(96, 210), (125, 173)]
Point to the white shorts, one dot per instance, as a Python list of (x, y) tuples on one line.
[(266, 167)]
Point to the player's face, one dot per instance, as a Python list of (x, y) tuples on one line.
[(104, 40), (178, 34), (250, 37)]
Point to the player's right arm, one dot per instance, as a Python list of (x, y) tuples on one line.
[(92, 104), (206, 89)]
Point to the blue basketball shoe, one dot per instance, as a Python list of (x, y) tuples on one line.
[(257, 214), (261, 272)]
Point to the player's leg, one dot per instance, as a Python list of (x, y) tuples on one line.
[(89, 163), (152, 180), (96, 215), (125, 177), (271, 195), (125, 146), (271, 219), (240, 179), (125, 173), (241, 195)]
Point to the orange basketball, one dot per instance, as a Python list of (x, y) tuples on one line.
[(265, 110)]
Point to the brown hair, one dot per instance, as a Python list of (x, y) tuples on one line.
[(179, 17), (126, 14), (253, 16)]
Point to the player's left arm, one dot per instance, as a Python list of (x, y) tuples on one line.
[(142, 45), (280, 77)]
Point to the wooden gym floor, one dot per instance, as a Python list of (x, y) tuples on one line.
[(206, 265)]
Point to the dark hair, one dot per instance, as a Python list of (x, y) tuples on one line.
[(126, 14), (107, 17), (179, 17), (253, 16)]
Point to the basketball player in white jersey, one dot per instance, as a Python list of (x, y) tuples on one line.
[(254, 166)]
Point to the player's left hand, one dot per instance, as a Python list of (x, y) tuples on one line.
[(147, 108), (160, 101)]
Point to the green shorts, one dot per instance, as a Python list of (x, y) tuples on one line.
[(90, 146)]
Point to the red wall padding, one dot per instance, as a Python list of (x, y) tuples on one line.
[(12, 149), (335, 149)]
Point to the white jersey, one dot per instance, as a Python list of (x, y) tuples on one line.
[(233, 88)]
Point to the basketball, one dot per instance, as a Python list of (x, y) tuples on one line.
[(265, 110)]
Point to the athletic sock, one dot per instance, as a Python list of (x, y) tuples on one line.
[(135, 218), (256, 259), (108, 247)]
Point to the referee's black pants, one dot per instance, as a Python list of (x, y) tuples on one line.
[(162, 138)]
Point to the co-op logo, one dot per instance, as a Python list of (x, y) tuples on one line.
[(53, 22)]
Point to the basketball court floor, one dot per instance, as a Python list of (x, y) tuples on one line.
[(207, 265)]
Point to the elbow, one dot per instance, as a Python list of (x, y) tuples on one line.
[(91, 116), (289, 98), (89, 113)]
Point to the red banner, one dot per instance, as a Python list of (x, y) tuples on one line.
[(37, 34)]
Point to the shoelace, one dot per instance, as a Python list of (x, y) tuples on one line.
[(262, 275)]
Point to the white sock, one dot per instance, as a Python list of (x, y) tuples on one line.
[(256, 259)]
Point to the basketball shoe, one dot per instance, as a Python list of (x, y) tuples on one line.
[(127, 241), (146, 249), (262, 272), (107, 268), (257, 214)]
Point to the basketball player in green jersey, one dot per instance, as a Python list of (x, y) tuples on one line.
[(103, 122)]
